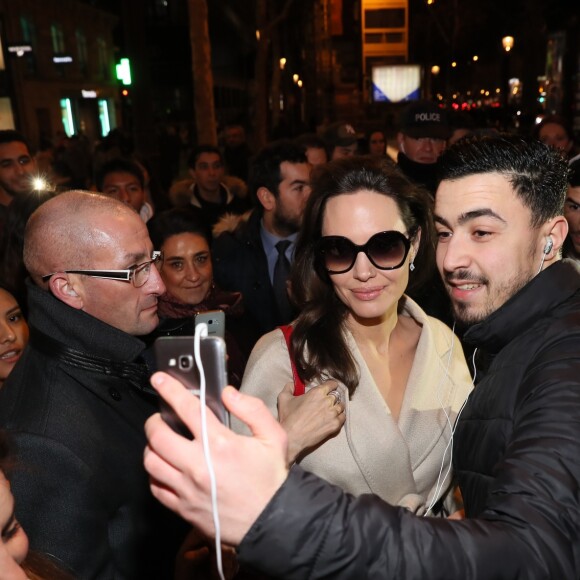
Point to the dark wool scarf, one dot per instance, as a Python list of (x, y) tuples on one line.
[(230, 302)]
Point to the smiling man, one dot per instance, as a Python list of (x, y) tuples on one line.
[(16, 168), (77, 400), (516, 451)]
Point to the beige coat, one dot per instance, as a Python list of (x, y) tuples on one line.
[(400, 462)]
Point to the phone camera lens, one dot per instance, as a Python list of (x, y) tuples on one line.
[(185, 362)]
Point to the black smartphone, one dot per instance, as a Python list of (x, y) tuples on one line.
[(174, 355)]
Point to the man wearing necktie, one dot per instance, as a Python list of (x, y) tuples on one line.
[(253, 253)]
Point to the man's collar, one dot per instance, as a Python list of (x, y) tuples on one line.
[(269, 240), (538, 297), (77, 329)]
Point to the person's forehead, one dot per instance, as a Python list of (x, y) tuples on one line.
[(456, 197), (552, 129), (119, 177), (208, 158), (185, 241), (574, 194), (125, 231), (294, 171), (7, 301), (13, 150), (361, 211)]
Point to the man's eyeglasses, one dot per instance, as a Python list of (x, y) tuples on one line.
[(138, 274), (385, 250)]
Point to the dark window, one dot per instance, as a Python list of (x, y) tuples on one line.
[(385, 18), (82, 51)]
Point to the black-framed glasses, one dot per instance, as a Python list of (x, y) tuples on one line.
[(385, 250), (137, 275)]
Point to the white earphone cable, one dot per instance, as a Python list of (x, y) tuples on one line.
[(441, 480), (201, 330)]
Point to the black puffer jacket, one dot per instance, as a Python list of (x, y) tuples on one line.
[(517, 455)]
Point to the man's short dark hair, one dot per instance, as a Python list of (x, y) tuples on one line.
[(538, 173), (10, 136), (118, 165), (265, 166), (199, 150)]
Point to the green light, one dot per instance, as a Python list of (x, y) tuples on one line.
[(124, 71)]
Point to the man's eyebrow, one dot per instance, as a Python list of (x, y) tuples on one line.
[(471, 215), (439, 220), (135, 258)]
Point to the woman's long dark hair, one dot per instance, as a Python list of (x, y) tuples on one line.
[(318, 341)]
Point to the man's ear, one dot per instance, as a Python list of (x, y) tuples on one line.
[(266, 198), (67, 291), (557, 230)]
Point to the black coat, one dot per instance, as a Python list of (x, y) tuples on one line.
[(516, 454), (80, 488), (240, 265)]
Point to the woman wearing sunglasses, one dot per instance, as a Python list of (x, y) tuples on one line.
[(384, 381)]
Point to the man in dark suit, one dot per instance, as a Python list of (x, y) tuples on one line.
[(252, 253), (76, 405)]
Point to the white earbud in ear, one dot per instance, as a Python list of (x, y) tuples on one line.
[(549, 245)]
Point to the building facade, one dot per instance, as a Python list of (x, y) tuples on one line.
[(57, 69)]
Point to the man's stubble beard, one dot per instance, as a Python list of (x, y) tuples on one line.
[(505, 291), (283, 224)]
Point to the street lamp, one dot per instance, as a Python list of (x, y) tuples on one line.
[(435, 69), (507, 42)]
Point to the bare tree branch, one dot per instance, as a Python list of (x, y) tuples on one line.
[(276, 20)]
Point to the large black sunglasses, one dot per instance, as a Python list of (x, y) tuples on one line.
[(385, 250)]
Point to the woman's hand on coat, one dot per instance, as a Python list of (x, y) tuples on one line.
[(310, 418)]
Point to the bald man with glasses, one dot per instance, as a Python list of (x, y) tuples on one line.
[(77, 404)]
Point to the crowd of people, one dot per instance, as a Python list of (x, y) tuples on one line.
[(354, 279)]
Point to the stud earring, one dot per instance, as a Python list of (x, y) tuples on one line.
[(412, 266)]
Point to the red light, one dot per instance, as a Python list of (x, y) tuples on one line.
[(125, 92)]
